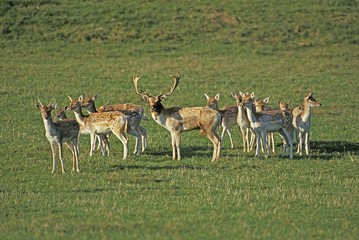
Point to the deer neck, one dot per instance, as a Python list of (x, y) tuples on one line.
[(306, 112), (251, 114), (49, 125), (157, 108), (91, 108), (80, 117)]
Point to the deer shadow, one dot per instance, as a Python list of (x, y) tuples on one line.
[(333, 149)]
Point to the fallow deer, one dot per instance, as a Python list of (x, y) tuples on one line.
[(268, 121), (134, 117), (261, 105), (301, 122), (105, 148), (101, 124), (57, 133), (128, 107), (244, 125), (284, 105), (179, 119), (229, 115)]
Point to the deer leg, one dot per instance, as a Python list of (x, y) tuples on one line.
[(61, 157), (300, 144), (244, 138), (54, 153), (135, 133), (177, 143), (230, 137), (289, 139), (76, 148), (119, 133), (264, 145), (92, 137), (307, 143), (143, 133), (71, 146), (258, 140)]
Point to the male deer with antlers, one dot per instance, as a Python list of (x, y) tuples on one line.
[(58, 132), (229, 115), (301, 122), (179, 119), (101, 124)]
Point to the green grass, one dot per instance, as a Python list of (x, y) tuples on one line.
[(284, 50)]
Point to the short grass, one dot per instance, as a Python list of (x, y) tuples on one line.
[(55, 49)]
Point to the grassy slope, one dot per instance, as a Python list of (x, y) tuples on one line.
[(51, 49)]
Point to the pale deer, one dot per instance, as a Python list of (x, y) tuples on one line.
[(179, 119), (268, 121), (134, 118), (105, 148), (244, 125), (261, 105), (101, 124), (57, 133), (229, 115), (301, 122)]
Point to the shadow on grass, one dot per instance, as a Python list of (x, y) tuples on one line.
[(328, 150)]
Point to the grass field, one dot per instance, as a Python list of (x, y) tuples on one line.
[(281, 49)]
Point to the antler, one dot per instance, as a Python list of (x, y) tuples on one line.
[(40, 102), (177, 78), (135, 83)]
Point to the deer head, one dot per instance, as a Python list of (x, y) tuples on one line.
[(45, 109), (212, 101), (311, 101), (155, 101)]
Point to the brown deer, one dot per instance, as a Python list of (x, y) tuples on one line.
[(284, 105), (101, 124), (128, 107), (301, 122), (133, 129), (105, 148), (180, 119), (66, 131), (229, 115), (244, 125), (268, 121)]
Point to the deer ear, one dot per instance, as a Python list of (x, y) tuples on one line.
[(217, 96), (253, 95), (66, 108), (206, 96), (145, 98), (94, 97), (81, 98), (266, 100), (242, 94)]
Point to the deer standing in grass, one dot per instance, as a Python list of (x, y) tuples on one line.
[(229, 115), (179, 119), (105, 148), (261, 105), (134, 127), (244, 125), (128, 107), (57, 133), (101, 124), (301, 122), (268, 121)]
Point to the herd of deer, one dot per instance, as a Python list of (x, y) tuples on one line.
[(256, 122)]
